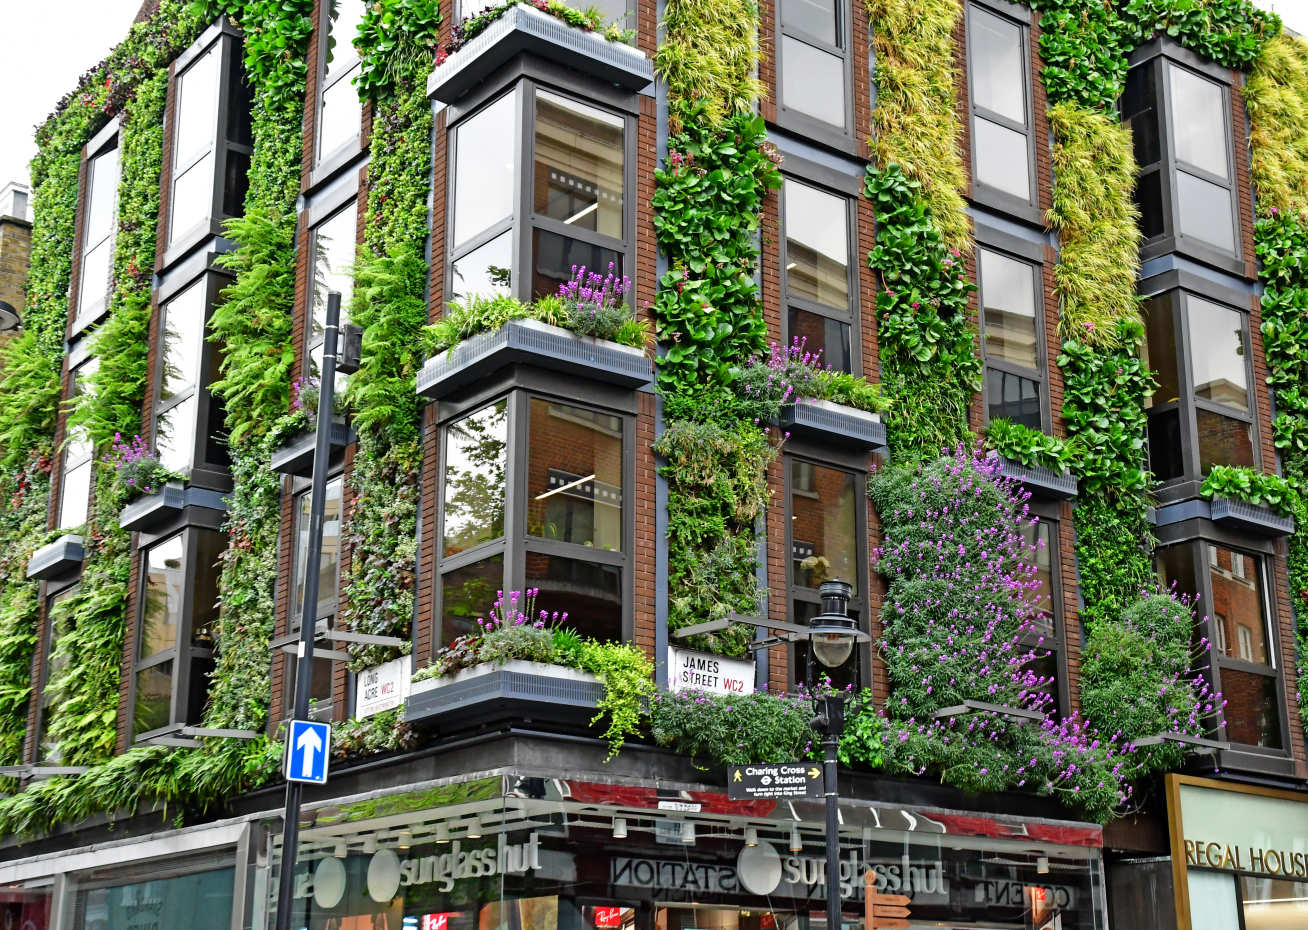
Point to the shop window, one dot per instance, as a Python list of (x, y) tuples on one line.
[(550, 511), (340, 113), (188, 421), (999, 80), (99, 226), (1180, 122), (825, 528), (578, 214), (332, 249), (1012, 338), (1231, 587), (58, 623), (78, 465), (198, 901), (1201, 413), (813, 63), (211, 141), (178, 620), (329, 569), (817, 273)]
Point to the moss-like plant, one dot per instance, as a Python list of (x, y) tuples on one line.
[(1276, 94), (709, 55)]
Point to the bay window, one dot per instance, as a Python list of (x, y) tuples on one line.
[(99, 228), (188, 421), (78, 467), (535, 493), (817, 276), (329, 566), (1012, 338), (1000, 96), (573, 160), (340, 112), (814, 65), (177, 622)]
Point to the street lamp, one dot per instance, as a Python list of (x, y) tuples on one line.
[(832, 635), (9, 318)]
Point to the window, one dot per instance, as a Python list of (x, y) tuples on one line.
[(1000, 100), (813, 63), (818, 276), (329, 567), (1011, 338), (333, 244), (340, 114), (1045, 635), (553, 515), (1180, 122), (825, 527), (184, 406), (78, 464), (1245, 666), (99, 225), (1201, 413), (179, 613), (578, 213), (58, 624)]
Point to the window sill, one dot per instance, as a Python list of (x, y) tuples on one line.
[(525, 29), (538, 344), (515, 691), (59, 559), (154, 511), (1041, 481), (825, 422), (295, 456), (1250, 518)]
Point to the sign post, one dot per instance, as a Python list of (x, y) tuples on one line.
[(884, 911), (775, 782)]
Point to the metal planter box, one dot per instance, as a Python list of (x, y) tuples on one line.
[(525, 29), (1250, 518), (1041, 481), (295, 456), (155, 510), (515, 692), (533, 343), (58, 559), (825, 422)]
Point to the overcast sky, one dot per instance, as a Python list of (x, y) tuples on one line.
[(50, 43)]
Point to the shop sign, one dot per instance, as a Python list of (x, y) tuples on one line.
[(1000, 893), (435, 922), (608, 917), (758, 781), (1243, 832), (674, 875), (382, 687), (699, 671)]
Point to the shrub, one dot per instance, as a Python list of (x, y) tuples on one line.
[(733, 729)]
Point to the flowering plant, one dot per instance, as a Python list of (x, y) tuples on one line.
[(794, 374), (137, 466), (594, 304)]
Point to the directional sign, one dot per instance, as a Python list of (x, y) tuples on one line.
[(764, 781), (307, 748), (884, 911)]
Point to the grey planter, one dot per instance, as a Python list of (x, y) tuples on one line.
[(533, 343), (295, 456), (58, 559), (155, 510), (1251, 518), (516, 692), (525, 29), (825, 422), (1041, 481)]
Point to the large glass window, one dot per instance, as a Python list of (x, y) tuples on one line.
[(813, 64), (58, 624), (329, 566), (1000, 100), (1011, 337), (577, 212), (340, 114), (99, 224), (818, 274), (78, 464), (1045, 635), (178, 619), (333, 244), (182, 323), (200, 901), (194, 143), (1201, 413)]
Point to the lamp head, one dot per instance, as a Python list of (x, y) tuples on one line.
[(832, 633), (9, 318)]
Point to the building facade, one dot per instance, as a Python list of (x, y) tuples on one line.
[(667, 316)]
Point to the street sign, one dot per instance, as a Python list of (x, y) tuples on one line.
[(884, 911), (307, 748), (764, 781), (381, 687)]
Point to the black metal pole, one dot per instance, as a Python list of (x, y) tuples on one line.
[(835, 720), (308, 615)]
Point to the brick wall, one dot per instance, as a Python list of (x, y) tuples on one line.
[(15, 253)]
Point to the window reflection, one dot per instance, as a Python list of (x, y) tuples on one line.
[(579, 170), (486, 271), (165, 592), (484, 155), (342, 113), (467, 593), (813, 81), (1013, 397), (994, 47), (78, 464), (574, 475), (823, 525), (99, 227), (1219, 356), (817, 244), (193, 144), (333, 250), (1009, 308), (590, 593), (1199, 121), (820, 333), (475, 463)]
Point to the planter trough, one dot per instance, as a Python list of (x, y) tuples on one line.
[(155, 510), (1251, 518), (58, 559), (515, 692), (825, 422), (1041, 481), (295, 456)]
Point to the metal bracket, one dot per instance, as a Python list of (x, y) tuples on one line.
[(1003, 710), (364, 639), (219, 733), (1198, 742), (333, 654), (762, 623)]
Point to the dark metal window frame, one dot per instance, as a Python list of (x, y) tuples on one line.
[(519, 387), (829, 182), (1187, 485), (523, 82), (105, 140), (1055, 642), (802, 124), (1163, 54), (182, 654), (227, 39), (350, 147), (47, 646), (1019, 16)]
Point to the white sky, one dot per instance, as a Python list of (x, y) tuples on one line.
[(50, 43)]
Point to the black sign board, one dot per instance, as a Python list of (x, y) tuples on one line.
[(784, 781)]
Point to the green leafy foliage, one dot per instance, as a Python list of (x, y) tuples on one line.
[(1027, 446), (275, 37), (1276, 96), (589, 20), (481, 314), (1252, 487), (397, 39), (733, 729), (709, 57)]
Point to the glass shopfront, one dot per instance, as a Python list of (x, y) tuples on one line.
[(550, 854)]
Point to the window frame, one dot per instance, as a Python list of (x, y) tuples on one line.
[(84, 315), (351, 146), (802, 123), (523, 221), (519, 388), (1028, 254), (182, 654), (311, 343), (301, 490), (1020, 17), (1055, 644), (47, 645), (77, 375)]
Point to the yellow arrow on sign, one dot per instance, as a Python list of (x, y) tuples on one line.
[(737, 778), (813, 773)]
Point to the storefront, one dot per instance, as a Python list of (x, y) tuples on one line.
[(1239, 855)]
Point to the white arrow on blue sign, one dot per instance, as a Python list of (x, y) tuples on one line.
[(307, 749)]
